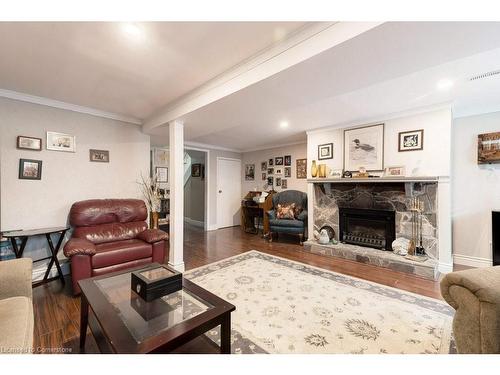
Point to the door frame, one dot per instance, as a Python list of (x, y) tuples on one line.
[(217, 185), (207, 183)]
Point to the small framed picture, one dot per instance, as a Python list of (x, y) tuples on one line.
[(250, 172), (101, 156), (264, 176), (278, 171), (161, 174), (61, 142), (395, 172), (195, 170), (284, 184), (288, 171), (411, 141), (301, 168), (270, 170), (288, 159), (263, 166), (325, 151), (278, 160), (336, 173), (270, 162), (30, 169), (278, 181), (29, 143), (270, 180)]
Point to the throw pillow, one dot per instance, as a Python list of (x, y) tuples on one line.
[(285, 211)]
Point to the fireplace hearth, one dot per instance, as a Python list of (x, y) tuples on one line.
[(367, 227)]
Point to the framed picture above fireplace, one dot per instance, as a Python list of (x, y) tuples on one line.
[(364, 148)]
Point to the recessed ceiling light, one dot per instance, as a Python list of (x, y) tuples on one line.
[(444, 84), (284, 124), (132, 30)]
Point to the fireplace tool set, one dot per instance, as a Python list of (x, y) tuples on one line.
[(416, 245)]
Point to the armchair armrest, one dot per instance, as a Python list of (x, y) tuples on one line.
[(271, 214), (79, 246), (152, 235), (15, 278), (302, 216)]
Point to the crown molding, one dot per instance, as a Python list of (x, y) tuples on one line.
[(274, 146), (67, 106), (210, 147)]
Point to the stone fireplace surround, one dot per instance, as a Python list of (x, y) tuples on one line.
[(386, 194)]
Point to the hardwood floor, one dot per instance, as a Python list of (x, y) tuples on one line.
[(57, 312)]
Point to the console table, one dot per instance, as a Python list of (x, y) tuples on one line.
[(24, 235)]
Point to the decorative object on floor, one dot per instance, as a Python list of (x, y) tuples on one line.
[(264, 176), (330, 231), (61, 142), (30, 169), (278, 160), (278, 170), (288, 172), (336, 173), (196, 170), (151, 193), (278, 181), (263, 166), (270, 162), (322, 170), (101, 156), (400, 246), (298, 223), (301, 168), (395, 171), (473, 293), (325, 151), (364, 147), (161, 174), (416, 245), (323, 237), (156, 281), (488, 148), (288, 160), (110, 235), (347, 174), (411, 140), (249, 172), (284, 183), (29, 143), (289, 307), (314, 169)]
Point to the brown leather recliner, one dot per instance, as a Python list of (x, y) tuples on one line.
[(111, 235)]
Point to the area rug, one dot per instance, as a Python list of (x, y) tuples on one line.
[(284, 306)]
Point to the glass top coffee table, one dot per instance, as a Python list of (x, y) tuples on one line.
[(129, 324)]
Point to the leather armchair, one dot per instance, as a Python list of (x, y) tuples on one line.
[(111, 235), (297, 225)]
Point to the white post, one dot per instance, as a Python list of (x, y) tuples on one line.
[(176, 177)]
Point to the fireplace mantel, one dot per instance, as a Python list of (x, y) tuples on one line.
[(319, 180)]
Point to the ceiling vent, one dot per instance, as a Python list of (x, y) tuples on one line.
[(485, 75)]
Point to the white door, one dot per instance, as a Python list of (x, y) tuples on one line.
[(228, 192)]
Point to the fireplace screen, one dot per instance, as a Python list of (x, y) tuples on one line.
[(371, 228)]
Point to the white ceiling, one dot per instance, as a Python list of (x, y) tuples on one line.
[(392, 68), (98, 65)]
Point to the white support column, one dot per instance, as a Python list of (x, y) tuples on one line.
[(176, 177)]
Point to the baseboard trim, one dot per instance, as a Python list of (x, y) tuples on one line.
[(212, 227), (195, 223), (470, 261), (179, 266)]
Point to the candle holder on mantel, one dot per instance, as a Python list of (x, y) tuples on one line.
[(416, 244)]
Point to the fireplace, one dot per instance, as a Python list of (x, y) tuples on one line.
[(367, 227)]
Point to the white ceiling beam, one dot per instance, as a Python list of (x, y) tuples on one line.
[(298, 47)]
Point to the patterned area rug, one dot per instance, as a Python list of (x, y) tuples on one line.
[(288, 307)]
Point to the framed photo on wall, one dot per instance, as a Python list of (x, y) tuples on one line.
[(30, 169), (101, 156), (61, 142), (301, 168), (29, 143), (364, 148), (263, 166), (264, 176), (488, 148), (278, 160), (195, 170), (411, 140), (161, 174), (288, 171), (250, 172), (288, 160), (325, 151)]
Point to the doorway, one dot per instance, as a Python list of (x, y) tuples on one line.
[(195, 187), (228, 192)]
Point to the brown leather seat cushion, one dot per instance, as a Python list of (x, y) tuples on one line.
[(111, 253)]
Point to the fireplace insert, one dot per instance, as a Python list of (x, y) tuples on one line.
[(367, 227)]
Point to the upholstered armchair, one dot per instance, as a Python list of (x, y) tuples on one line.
[(475, 295), (111, 235), (289, 214)]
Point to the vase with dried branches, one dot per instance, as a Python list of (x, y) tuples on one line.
[(151, 192)]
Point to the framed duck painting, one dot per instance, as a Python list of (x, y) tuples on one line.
[(364, 147)]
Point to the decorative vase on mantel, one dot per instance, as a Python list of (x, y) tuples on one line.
[(153, 219), (314, 169)]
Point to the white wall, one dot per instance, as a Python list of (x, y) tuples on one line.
[(298, 151), (433, 160), (475, 191), (66, 177)]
